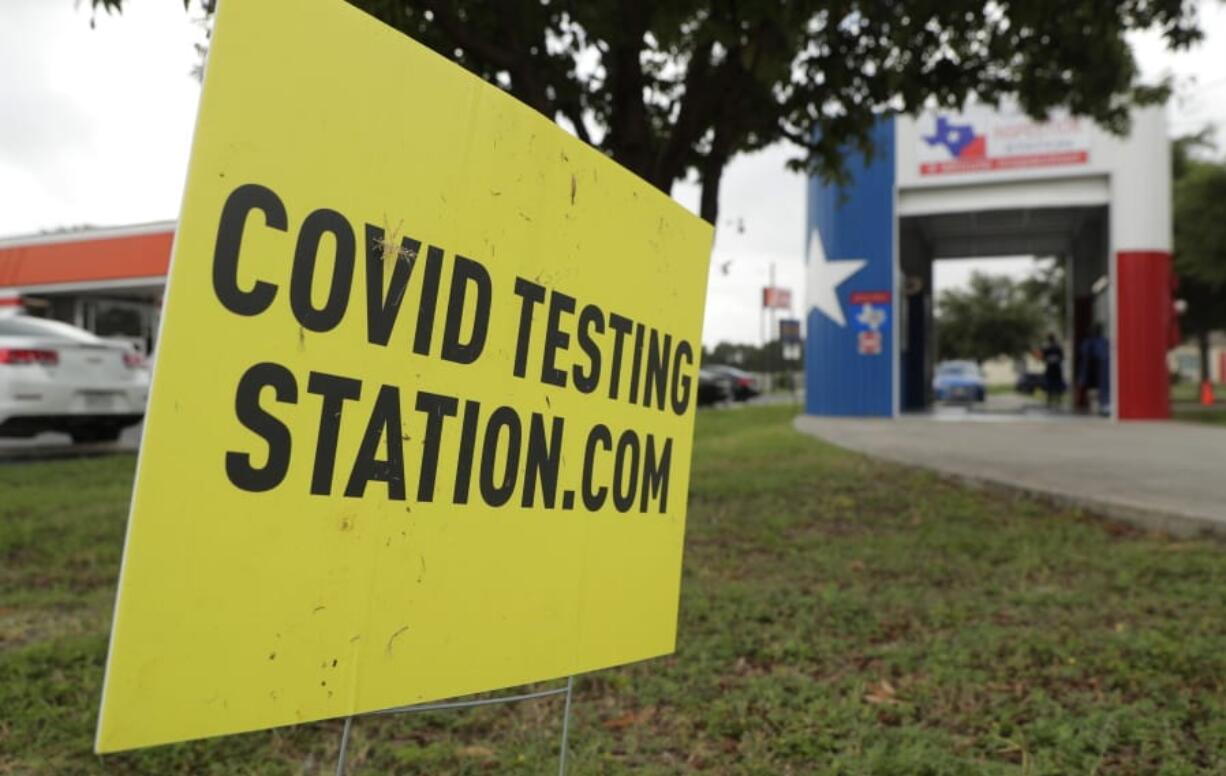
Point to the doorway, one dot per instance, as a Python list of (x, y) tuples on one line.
[(1076, 239)]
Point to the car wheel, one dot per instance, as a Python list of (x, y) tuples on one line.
[(95, 434)]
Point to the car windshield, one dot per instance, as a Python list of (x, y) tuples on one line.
[(958, 370), (25, 326)]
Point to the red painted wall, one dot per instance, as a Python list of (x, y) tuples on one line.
[(75, 261), (1143, 305)]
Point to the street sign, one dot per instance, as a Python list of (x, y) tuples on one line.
[(872, 314), (775, 298), (789, 331), (423, 405), (868, 343)]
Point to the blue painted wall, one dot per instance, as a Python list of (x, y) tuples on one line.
[(856, 221)]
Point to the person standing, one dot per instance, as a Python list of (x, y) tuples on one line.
[(1052, 356), (1094, 369)]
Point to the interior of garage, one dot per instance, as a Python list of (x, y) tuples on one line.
[(1076, 235)]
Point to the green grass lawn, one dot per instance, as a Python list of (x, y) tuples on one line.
[(1186, 406), (838, 616), (1188, 391), (1214, 415)]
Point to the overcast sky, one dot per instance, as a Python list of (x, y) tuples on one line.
[(95, 128)]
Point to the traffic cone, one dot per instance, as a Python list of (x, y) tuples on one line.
[(1206, 393)]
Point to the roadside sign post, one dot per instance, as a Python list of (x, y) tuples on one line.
[(421, 417), (773, 298), (790, 344), (789, 338)]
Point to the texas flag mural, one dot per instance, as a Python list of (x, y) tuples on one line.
[(850, 276)]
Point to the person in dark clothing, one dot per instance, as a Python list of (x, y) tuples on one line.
[(1053, 372), (1094, 372)]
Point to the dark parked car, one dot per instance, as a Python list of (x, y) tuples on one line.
[(1029, 383), (744, 385), (713, 388)]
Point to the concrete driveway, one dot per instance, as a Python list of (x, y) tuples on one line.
[(1164, 476)]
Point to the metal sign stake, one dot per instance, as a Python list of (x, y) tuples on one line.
[(570, 684), (568, 690), (340, 759)]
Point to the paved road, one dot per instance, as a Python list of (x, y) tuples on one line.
[(1165, 476), (46, 446)]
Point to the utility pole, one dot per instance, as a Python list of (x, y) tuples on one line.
[(762, 320), (770, 334)]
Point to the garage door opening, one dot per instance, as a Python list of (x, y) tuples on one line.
[(1069, 245)]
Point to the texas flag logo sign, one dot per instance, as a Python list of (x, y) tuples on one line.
[(989, 142), (960, 139)]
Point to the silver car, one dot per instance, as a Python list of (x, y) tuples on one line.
[(57, 377)]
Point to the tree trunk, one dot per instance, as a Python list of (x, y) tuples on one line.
[(708, 206), (712, 172)]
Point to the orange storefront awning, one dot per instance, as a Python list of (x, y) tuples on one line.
[(85, 257)]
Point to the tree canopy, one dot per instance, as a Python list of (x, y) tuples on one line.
[(752, 358), (1200, 224), (1200, 241), (671, 88), (994, 315), (1047, 288)]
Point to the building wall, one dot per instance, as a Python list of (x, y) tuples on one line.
[(850, 356)]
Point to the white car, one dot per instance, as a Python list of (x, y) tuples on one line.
[(56, 377)]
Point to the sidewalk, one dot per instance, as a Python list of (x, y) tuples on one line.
[(1161, 476)]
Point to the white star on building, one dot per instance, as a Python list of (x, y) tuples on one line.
[(824, 278)]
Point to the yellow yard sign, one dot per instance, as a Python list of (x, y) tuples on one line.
[(423, 402)]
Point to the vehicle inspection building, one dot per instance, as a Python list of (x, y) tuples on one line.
[(987, 182)]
